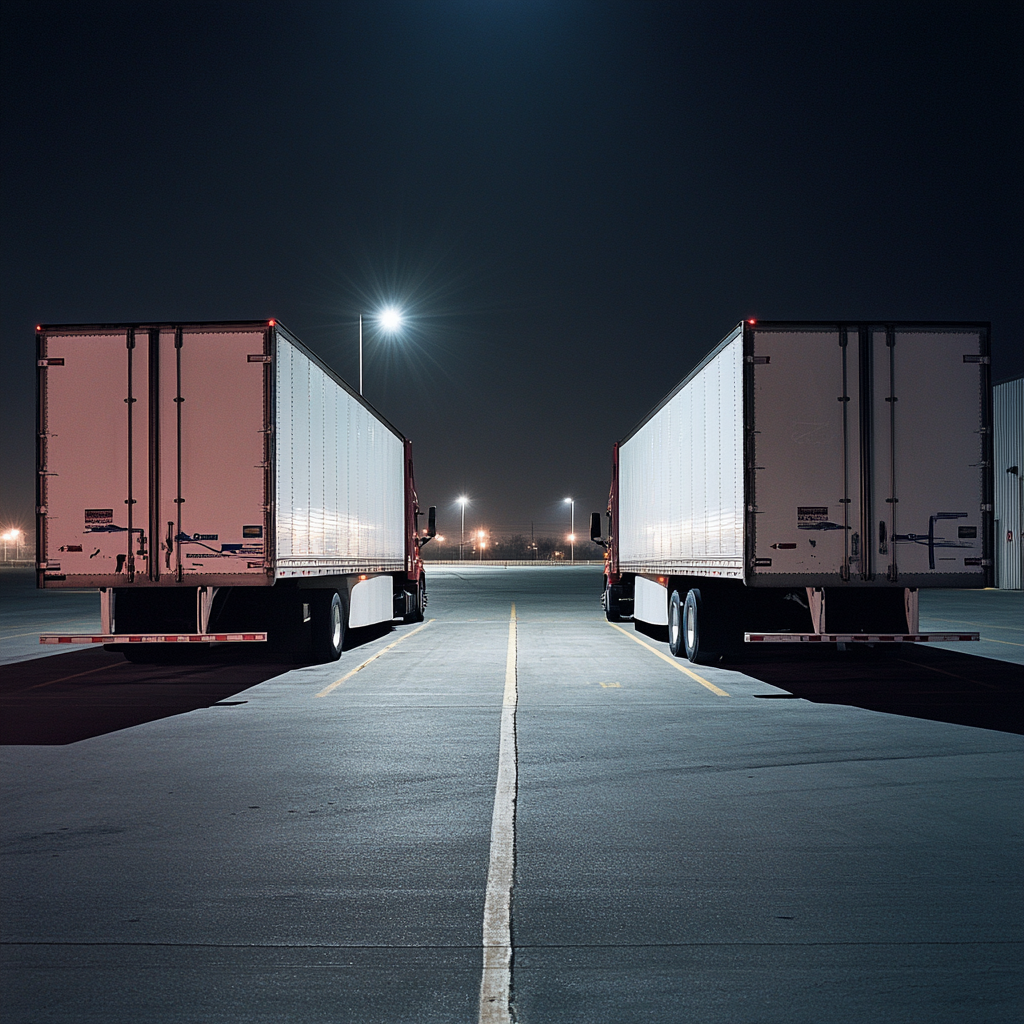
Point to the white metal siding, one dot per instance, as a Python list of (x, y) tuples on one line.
[(1008, 416), (340, 501), (681, 476)]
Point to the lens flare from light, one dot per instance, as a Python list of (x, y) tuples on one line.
[(390, 318)]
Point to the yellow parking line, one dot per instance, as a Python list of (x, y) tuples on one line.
[(671, 661), (373, 657)]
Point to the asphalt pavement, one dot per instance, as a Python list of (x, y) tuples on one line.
[(788, 836)]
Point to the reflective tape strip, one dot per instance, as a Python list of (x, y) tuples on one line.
[(853, 638), (147, 638)]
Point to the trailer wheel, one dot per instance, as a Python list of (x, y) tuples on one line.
[(328, 632), (676, 642), (698, 638), (611, 606), (420, 603)]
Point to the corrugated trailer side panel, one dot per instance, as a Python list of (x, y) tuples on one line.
[(681, 476), (339, 478)]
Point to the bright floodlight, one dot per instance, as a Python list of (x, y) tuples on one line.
[(568, 501), (390, 319), (463, 500)]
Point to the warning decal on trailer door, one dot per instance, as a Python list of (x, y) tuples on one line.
[(809, 515)]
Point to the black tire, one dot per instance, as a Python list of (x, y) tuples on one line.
[(675, 625), (328, 625), (419, 603), (698, 635), (611, 606)]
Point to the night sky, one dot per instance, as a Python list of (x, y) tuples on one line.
[(573, 201)]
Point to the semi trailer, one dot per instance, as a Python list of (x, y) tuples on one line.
[(802, 484), (219, 483)]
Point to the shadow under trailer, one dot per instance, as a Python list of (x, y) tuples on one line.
[(218, 483), (802, 484)]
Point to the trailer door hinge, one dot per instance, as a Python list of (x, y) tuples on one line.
[(50, 362), (986, 360), (987, 508), (759, 360), (258, 358)]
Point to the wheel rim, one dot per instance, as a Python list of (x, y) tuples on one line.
[(336, 625), (691, 632), (673, 625)]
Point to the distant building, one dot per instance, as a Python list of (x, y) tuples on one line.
[(1008, 415)]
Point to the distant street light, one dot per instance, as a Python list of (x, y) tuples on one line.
[(463, 501), (12, 537), (571, 502), (390, 319), (481, 544)]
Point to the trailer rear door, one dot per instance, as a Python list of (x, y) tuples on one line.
[(93, 456), (867, 455), (929, 412), (212, 460), (152, 455)]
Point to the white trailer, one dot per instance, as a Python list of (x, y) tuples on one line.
[(802, 483), (217, 482)]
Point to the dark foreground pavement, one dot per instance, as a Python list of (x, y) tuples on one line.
[(828, 839)]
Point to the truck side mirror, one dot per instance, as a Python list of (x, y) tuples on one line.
[(595, 529), (431, 527)]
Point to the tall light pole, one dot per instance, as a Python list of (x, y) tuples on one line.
[(572, 527), (390, 319), (463, 501)]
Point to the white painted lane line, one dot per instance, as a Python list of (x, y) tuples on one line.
[(373, 657), (495, 985)]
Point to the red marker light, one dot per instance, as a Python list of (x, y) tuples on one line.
[(271, 322), (39, 327), (751, 321)]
